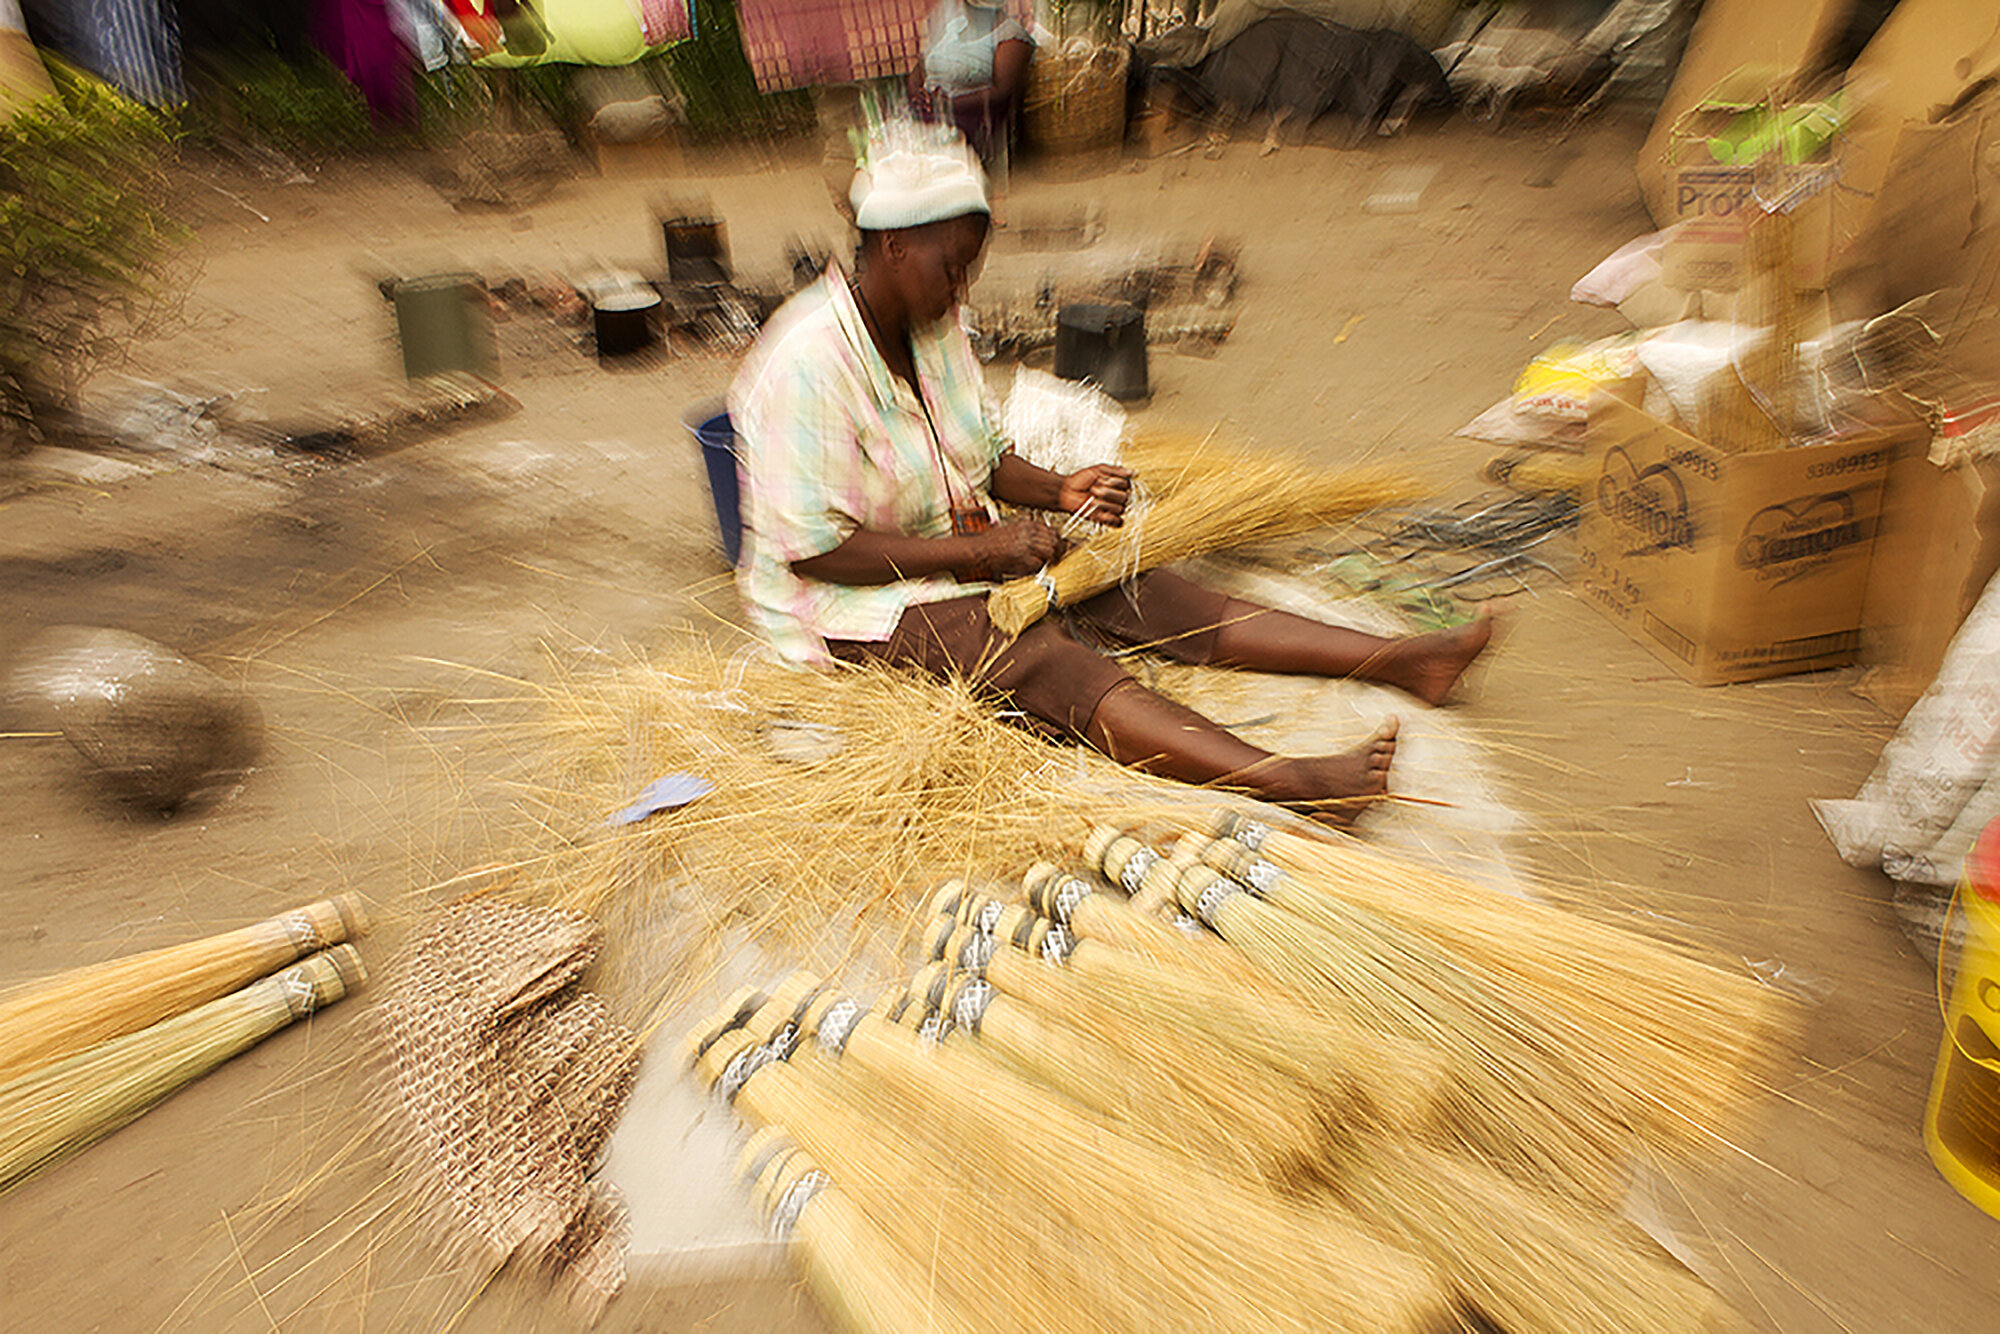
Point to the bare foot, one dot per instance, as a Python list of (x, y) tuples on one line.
[(1428, 666), (1335, 789)]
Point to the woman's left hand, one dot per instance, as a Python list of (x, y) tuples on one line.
[(1105, 488)]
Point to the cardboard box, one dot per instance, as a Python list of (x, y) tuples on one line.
[(1937, 546), (1730, 567)]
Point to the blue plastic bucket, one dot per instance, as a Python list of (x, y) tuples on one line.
[(717, 438)]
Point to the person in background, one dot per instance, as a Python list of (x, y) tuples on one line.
[(870, 468), (974, 65)]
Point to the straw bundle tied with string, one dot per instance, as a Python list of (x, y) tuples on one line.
[(58, 1109), (1357, 1073), (1689, 1043), (1248, 1128), (1511, 1099), (856, 1273), (1256, 497), (53, 1017), (1525, 1258), (980, 1248), (1145, 1240)]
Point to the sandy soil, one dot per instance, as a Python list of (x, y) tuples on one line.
[(359, 601)]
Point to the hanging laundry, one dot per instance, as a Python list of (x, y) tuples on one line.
[(427, 28), (572, 32), (358, 37), (135, 45)]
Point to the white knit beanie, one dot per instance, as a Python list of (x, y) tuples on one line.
[(911, 180)]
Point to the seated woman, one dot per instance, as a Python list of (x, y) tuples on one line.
[(871, 467), (974, 63)]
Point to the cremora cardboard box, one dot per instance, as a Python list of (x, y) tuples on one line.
[(1730, 566)]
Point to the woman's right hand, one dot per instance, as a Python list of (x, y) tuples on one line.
[(1014, 549)]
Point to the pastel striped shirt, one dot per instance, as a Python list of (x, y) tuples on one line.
[(831, 442)]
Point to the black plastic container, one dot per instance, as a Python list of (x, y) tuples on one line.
[(1105, 345), (624, 322)]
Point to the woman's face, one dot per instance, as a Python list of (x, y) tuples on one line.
[(939, 262)]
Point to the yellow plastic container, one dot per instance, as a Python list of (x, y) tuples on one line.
[(1962, 1123)]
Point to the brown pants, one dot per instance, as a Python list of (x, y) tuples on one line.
[(1052, 672)]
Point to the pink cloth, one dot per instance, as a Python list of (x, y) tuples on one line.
[(810, 43), (362, 44)]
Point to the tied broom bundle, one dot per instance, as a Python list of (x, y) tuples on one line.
[(55, 1017), (1531, 1262), (1688, 1043), (1360, 1074), (1246, 1129), (1535, 1264), (62, 1108), (1526, 1259), (1514, 1101), (1125, 1207), (982, 1252), (1256, 499), (856, 1273)]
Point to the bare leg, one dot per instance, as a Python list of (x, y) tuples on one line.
[(1137, 727), (1427, 666)]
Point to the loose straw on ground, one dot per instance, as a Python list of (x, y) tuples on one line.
[(54, 1017), (1256, 497), (840, 797), (57, 1110)]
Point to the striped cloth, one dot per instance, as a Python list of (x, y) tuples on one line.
[(831, 442), (134, 45)]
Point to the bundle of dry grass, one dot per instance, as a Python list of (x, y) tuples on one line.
[(856, 1273), (1512, 1100), (1209, 498), (1194, 1105), (51, 1018), (59, 1109), (1119, 1241), (1359, 1074), (839, 797), (1533, 1263), (1687, 1044)]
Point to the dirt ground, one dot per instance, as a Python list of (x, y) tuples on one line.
[(361, 602)]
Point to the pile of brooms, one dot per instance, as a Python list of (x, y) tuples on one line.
[(1289, 1083), (85, 1052)]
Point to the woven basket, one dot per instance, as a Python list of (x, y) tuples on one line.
[(1075, 101)]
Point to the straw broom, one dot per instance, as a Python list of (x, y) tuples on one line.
[(984, 1251), (1360, 1073), (55, 1017), (59, 1109), (1255, 500), (857, 1275), (1530, 1261), (1623, 1088), (933, 1190), (1211, 1251), (1091, 915), (1248, 1129), (1134, 865), (1531, 1112), (1688, 1042)]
